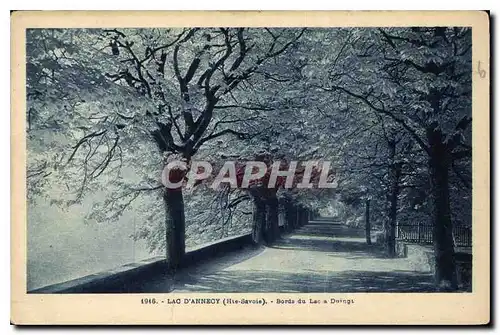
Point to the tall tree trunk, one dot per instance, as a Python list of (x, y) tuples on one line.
[(303, 216), (367, 223), (311, 215), (444, 253), (273, 231), (290, 216), (390, 229), (281, 215), (259, 220), (297, 216), (175, 227), (300, 216)]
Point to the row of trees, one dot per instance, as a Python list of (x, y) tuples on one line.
[(129, 100), (424, 111)]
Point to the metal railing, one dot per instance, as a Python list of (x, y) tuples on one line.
[(423, 234)]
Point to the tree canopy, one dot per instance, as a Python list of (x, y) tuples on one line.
[(390, 108)]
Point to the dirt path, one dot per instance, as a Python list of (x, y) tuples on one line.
[(319, 257)]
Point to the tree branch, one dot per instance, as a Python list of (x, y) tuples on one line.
[(410, 130)]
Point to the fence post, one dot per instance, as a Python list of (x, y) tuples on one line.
[(367, 223), (418, 231)]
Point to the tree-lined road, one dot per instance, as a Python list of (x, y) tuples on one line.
[(390, 107), (321, 256)]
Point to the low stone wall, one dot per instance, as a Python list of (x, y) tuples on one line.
[(463, 262), (464, 269), (401, 249), (119, 280), (217, 249)]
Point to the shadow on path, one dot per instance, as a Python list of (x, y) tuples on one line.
[(329, 229), (275, 281), (353, 249), (332, 238), (318, 257), (163, 282)]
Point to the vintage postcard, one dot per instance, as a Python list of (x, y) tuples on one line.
[(181, 168)]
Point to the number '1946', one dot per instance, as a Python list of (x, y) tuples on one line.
[(150, 301)]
